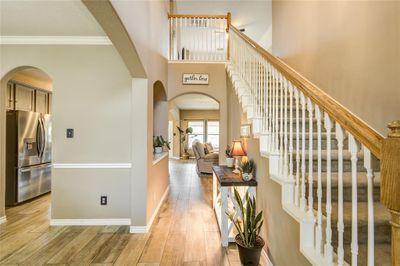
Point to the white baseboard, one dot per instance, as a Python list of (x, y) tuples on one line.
[(3, 219), (71, 222), (265, 259), (145, 229)]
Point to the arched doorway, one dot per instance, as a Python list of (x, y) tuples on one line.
[(26, 143), (201, 114)]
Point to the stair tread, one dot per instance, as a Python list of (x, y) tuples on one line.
[(334, 154), (381, 213), (382, 254)]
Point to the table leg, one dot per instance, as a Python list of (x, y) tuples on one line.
[(224, 217)]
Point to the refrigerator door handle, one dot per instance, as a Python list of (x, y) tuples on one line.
[(38, 136), (27, 169), (43, 139)]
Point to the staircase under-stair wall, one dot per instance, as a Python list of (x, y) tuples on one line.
[(332, 167)]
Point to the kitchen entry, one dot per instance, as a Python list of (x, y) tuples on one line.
[(28, 136)]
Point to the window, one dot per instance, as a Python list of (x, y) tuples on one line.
[(198, 131), (204, 131), (213, 133)]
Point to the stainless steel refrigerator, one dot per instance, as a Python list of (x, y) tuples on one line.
[(28, 156)]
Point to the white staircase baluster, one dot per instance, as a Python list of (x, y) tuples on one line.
[(328, 249), (303, 201), (354, 200), (340, 225), (281, 144), (273, 98), (291, 177), (277, 78), (370, 179), (318, 235), (297, 186), (270, 101), (310, 158)]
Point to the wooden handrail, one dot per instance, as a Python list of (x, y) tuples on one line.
[(197, 16), (353, 124)]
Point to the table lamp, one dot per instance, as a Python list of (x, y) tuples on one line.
[(237, 151)]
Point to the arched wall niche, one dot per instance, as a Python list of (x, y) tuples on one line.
[(160, 110)]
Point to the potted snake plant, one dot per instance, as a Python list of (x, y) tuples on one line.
[(248, 225)]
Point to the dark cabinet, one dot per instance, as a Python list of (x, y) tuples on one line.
[(25, 98)]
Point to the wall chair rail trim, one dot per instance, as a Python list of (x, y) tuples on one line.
[(70, 40), (92, 165)]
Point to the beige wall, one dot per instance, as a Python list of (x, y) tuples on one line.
[(199, 114), (350, 49), (280, 230), (216, 89), (147, 24), (174, 116), (92, 94)]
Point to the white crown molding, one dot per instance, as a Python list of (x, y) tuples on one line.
[(60, 40), (92, 165), (71, 222), (146, 229), (3, 219)]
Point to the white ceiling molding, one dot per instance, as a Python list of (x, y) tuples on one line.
[(62, 40)]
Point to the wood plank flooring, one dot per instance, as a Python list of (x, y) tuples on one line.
[(184, 233)]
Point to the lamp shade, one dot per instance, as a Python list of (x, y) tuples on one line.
[(237, 148)]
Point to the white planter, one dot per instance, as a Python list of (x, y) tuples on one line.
[(230, 162), (247, 176), (158, 149)]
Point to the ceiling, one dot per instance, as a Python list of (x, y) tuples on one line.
[(196, 102), (47, 18)]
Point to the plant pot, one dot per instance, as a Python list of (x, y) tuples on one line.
[(158, 149), (230, 161), (247, 176), (250, 256)]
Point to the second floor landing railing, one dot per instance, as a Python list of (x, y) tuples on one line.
[(199, 37)]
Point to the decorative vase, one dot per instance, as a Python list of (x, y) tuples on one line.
[(250, 256), (247, 176), (158, 149), (230, 161)]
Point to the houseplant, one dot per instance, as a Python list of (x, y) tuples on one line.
[(157, 144), (247, 168), (165, 144), (183, 134), (248, 224), (229, 157)]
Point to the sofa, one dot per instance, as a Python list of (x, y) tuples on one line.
[(205, 157)]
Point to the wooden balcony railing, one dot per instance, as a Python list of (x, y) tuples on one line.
[(199, 37)]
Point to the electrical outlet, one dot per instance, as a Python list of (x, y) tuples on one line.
[(103, 200)]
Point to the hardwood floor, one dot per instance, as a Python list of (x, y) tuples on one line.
[(184, 233)]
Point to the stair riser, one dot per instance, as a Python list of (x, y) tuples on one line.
[(362, 194), (315, 143), (334, 165), (382, 234)]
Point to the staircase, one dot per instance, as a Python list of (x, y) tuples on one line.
[(331, 165), (327, 176)]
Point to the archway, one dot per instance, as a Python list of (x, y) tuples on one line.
[(25, 100), (198, 111)]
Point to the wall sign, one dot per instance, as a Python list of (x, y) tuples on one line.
[(194, 79)]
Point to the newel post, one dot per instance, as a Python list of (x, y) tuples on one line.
[(228, 25), (390, 186)]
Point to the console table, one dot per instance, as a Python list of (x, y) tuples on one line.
[(224, 182)]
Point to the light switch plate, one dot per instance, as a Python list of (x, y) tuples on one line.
[(70, 133)]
